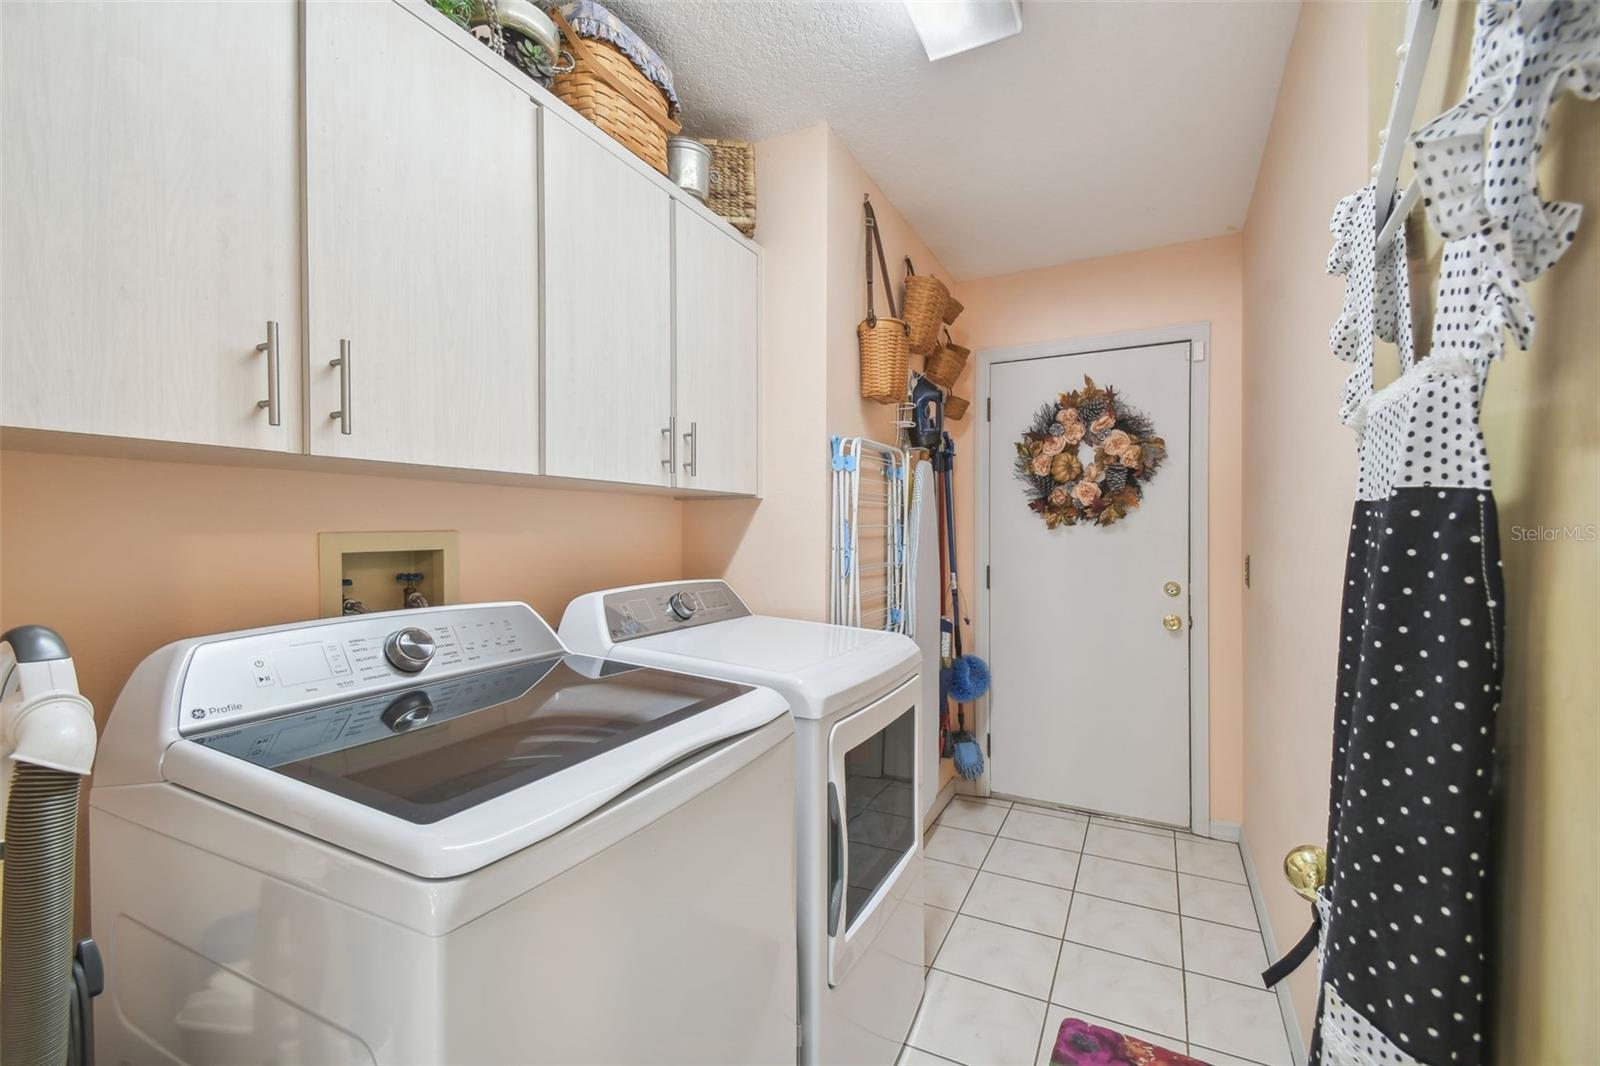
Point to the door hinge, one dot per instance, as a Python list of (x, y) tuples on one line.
[(988, 408), (1197, 352), (988, 743), (1247, 571), (986, 575), (799, 1037)]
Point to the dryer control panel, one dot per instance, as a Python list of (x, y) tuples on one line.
[(643, 612), (268, 672)]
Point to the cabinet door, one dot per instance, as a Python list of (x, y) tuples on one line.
[(716, 280), (150, 209), (422, 235), (608, 314)]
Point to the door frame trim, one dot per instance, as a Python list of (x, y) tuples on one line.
[(1198, 337)]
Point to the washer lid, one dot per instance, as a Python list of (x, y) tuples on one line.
[(441, 779), (819, 669)]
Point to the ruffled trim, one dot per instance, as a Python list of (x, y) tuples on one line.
[(1522, 54), (1377, 299)]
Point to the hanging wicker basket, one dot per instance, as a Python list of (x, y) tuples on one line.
[(926, 296), (955, 407), (944, 367), (606, 88), (885, 356), (952, 310)]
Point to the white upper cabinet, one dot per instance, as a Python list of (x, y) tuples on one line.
[(422, 246), (150, 206), (608, 314), (718, 339)]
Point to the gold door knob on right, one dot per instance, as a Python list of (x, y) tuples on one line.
[(1172, 622)]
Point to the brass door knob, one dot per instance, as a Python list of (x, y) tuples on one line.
[(1306, 868), (1172, 622)]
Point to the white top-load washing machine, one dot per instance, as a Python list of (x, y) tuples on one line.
[(435, 836), (854, 694)]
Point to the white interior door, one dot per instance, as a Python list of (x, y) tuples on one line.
[(1090, 703), (423, 236)]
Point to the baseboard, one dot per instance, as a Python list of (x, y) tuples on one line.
[(1229, 831), (1291, 1020), (940, 802)]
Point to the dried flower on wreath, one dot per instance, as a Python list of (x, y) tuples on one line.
[(1124, 454)]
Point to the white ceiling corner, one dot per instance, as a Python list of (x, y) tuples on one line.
[(1104, 127)]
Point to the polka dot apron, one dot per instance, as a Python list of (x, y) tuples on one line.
[(1404, 913)]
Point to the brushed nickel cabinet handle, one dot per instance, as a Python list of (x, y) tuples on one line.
[(342, 415), (692, 439), (671, 436), (269, 348)]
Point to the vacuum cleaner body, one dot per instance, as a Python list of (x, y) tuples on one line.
[(47, 745)]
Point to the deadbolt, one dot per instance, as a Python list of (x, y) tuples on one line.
[(1172, 622), (1172, 588)]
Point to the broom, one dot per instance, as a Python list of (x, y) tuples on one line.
[(969, 675)]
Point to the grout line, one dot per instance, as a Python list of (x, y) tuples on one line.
[(987, 984), (1219, 1051), (1183, 960), (1005, 925)]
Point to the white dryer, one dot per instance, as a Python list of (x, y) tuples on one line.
[(434, 836), (854, 694)]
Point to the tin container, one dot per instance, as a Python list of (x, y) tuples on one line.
[(689, 165)]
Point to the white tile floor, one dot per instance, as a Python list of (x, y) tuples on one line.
[(1035, 914)]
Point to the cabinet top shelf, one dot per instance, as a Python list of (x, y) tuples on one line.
[(459, 38)]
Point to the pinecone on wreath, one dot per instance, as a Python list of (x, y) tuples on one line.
[(1092, 407), (1116, 479)]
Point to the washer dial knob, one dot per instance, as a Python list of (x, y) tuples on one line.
[(409, 649), (681, 605)]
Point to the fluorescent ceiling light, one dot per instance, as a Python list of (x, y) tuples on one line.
[(951, 26)]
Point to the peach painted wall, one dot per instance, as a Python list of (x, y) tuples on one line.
[(123, 556), (1302, 459), (774, 551), (1194, 282)]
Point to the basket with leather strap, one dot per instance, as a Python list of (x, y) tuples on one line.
[(885, 357), (606, 88), (952, 310), (944, 366), (926, 296), (955, 407)]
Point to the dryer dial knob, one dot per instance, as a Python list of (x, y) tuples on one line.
[(409, 649), (681, 606)]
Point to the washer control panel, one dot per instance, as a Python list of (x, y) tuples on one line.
[(256, 675), (643, 612)]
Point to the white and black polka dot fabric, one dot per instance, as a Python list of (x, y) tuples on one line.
[(1404, 914)]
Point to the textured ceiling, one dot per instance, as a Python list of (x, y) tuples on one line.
[(1104, 127)]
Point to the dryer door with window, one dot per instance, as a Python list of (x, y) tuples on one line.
[(873, 826)]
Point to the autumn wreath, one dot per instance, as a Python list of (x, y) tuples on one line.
[(1124, 454)]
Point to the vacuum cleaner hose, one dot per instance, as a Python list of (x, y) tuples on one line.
[(36, 946)]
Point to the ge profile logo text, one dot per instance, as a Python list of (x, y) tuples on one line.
[(198, 712)]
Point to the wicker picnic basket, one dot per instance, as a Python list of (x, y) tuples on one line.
[(926, 296), (882, 341), (944, 366), (955, 407), (733, 183), (606, 88)]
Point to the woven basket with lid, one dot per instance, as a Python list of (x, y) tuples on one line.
[(606, 88)]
